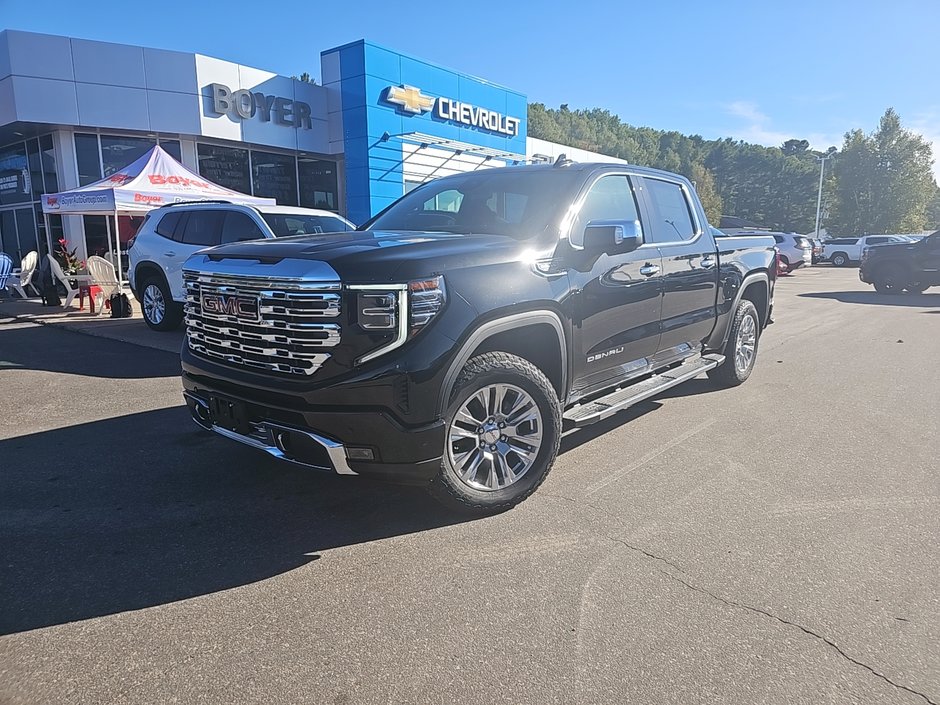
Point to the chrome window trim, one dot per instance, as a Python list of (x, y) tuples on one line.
[(401, 335)]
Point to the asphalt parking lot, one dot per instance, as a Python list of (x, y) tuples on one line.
[(774, 543)]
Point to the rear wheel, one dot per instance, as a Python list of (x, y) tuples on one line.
[(741, 349), (839, 259), (890, 279), (160, 311), (916, 288), (502, 435)]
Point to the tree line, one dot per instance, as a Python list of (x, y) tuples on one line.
[(876, 182)]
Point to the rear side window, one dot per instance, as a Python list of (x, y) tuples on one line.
[(877, 240), (203, 228), (168, 223), (672, 218), (239, 226), (778, 239)]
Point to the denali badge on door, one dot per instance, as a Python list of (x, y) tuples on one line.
[(242, 307)]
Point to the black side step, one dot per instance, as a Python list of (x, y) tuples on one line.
[(606, 406)]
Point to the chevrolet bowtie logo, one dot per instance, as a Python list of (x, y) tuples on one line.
[(410, 99)]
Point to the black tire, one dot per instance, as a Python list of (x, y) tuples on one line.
[(153, 292), (890, 279), (730, 373), (481, 373), (839, 259), (916, 288)]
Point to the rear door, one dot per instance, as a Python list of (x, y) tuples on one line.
[(690, 267), (619, 296), (196, 230)]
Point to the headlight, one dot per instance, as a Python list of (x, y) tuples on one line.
[(427, 299), (400, 308)]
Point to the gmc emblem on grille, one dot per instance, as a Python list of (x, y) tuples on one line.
[(243, 307)]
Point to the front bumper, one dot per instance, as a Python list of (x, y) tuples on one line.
[(333, 441)]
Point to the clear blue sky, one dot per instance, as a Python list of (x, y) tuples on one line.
[(759, 71)]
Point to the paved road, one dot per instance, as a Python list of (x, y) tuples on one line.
[(774, 543)]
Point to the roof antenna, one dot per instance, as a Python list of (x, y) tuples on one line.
[(562, 160)]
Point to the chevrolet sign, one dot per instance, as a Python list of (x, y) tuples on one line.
[(412, 100)]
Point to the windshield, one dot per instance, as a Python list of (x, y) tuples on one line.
[(505, 201), (285, 224)]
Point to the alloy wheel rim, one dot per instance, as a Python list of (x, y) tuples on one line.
[(746, 344), (494, 437), (154, 305)]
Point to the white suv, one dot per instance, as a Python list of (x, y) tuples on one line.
[(843, 250), (169, 235)]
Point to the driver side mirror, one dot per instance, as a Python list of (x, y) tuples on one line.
[(613, 236)]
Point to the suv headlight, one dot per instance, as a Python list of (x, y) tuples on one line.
[(403, 308)]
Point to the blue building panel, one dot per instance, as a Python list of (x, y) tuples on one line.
[(392, 95)]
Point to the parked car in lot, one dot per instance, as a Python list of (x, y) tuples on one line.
[(171, 234), (842, 251), (794, 251), (817, 250), (908, 265), (446, 341)]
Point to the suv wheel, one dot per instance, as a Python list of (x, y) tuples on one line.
[(741, 349), (503, 428), (889, 279), (916, 288), (160, 311), (839, 259)]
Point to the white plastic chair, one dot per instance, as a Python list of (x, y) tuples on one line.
[(57, 272), (104, 276), (23, 277)]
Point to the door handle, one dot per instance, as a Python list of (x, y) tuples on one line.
[(169, 254), (707, 263), (648, 270)]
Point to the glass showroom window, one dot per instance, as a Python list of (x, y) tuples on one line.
[(274, 176), (317, 183), (88, 157), (15, 179), (226, 166), (118, 152)]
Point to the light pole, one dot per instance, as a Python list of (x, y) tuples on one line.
[(822, 169)]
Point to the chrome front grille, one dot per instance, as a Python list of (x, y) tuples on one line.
[(290, 327)]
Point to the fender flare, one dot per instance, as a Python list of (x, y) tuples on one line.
[(494, 327), (147, 268), (745, 283)]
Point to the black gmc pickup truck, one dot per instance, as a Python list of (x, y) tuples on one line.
[(894, 267), (449, 339)]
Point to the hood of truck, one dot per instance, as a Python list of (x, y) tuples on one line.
[(377, 256)]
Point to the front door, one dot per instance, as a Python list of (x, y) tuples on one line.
[(617, 300), (930, 259), (690, 268)]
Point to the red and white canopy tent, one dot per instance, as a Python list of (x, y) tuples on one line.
[(154, 180)]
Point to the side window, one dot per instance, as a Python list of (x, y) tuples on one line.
[(610, 198), (239, 226), (167, 225), (203, 228), (778, 239), (876, 240), (672, 217), (448, 201)]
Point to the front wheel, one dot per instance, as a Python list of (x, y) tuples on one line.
[(160, 311), (916, 288), (840, 259), (502, 435), (741, 349), (889, 280)]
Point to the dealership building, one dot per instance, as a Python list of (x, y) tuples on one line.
[(379, 123)]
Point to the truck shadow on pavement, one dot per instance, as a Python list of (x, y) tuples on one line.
[(38, 347), (142, 510), (873, 298)]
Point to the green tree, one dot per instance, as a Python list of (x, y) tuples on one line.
[(884, 181), (707, 192)]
